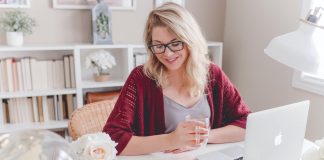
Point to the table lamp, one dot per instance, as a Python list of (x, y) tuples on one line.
[(302, 49)]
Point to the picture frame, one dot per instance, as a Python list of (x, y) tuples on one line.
[(14, 3), (101, 24), (89, 4), (160, 2)]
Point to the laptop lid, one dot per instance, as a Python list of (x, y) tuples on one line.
[(277, 133)]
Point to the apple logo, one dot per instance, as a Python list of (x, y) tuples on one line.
[(278, 139)]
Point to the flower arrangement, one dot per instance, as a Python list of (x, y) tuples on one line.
[(96, 146), (320, 144), (101, 61), (17, 21)]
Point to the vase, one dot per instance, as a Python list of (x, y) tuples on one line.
[(101, 78), (15, 38)]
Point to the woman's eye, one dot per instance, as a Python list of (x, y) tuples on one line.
[(175, 44), (159, 46)]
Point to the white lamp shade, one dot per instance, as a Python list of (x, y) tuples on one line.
[(302, 49)]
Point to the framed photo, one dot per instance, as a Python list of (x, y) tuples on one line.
[(14, 3), (89, 4), (101, 24), (160, 2)]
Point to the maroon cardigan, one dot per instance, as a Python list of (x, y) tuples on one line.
[(139, 109)]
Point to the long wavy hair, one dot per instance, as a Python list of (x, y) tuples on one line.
[(181, 23)]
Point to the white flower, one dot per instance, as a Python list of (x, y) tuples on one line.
[(96, 146), (100, 60), (320, 144)]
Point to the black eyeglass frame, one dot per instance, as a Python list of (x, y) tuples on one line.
[(165, 46)]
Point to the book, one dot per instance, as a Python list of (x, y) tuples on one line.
[(30, 112), (35, 109), (92, 97), (5, 111), (50, 75), (67, 75), (40, 108), (70, 105), (45, 109), (10, 81), (1, 77), (73, 83), (20, 77), (29, 82), (4, 85), (51, 108)]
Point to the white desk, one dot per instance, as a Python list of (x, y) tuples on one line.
[(192, 154)]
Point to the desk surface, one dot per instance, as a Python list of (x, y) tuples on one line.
[(192, 154)]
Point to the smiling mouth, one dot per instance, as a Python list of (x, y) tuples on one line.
[(171, 60)]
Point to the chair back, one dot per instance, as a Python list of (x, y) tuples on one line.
[(90, 118)]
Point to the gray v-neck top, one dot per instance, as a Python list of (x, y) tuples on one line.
[(174, 113)]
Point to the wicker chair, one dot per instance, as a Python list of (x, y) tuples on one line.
[(90, 118)]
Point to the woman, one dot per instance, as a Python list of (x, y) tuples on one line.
[(177, 80)]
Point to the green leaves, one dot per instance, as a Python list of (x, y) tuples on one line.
[(102, 25), (17, 21)]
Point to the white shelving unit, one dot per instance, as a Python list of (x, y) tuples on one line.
[(36, 125), (123, 53)]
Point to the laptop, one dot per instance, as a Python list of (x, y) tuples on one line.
[(273, 134)]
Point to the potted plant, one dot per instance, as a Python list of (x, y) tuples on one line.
[(15, 24), (102, 25), (101, 62)]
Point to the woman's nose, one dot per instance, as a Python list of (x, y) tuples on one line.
[(168, 52)]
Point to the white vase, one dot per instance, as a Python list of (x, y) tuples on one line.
[(15, 38)]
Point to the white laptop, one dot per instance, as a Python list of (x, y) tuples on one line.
[(274, 134)]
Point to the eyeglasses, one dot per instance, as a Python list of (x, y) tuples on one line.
[(160, 48)]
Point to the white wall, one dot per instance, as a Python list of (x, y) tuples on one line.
[(56, 26), (264, 82)]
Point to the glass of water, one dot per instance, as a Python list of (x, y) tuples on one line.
[(203, 121)]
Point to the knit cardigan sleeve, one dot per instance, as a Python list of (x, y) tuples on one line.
[(120, 122), (231, 108)]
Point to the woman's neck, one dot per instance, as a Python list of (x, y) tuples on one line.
[(176, 79)]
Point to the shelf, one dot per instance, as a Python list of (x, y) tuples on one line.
[(91, 46), (36, 48), (109, 83), (36, 93), (36, 125)]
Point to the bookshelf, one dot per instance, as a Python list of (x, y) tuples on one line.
[(126, 58)]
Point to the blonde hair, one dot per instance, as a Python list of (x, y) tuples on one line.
[(180, 22)]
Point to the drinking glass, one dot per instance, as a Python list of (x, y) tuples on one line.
[(205, 121)]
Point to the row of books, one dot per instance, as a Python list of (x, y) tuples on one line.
[(30, 74), (38, 109)]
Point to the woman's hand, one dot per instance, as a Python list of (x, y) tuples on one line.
[(188, 134)]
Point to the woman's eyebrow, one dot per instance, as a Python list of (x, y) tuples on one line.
[(166, 43)]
